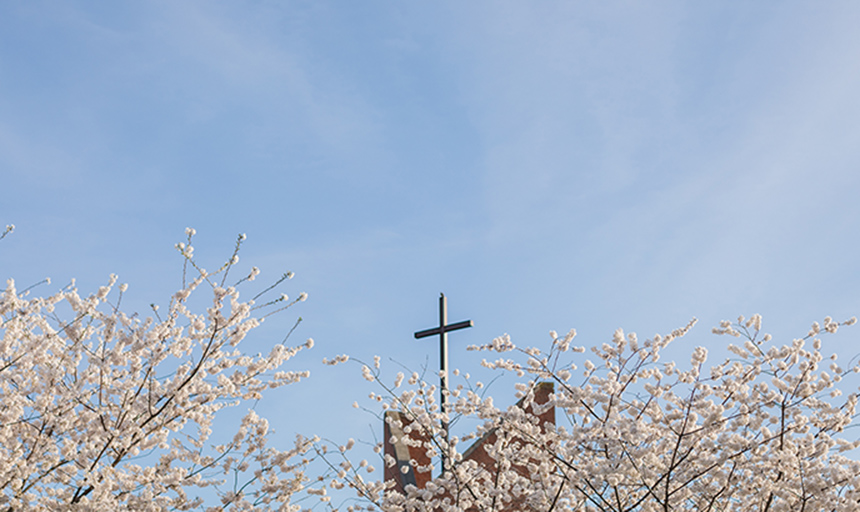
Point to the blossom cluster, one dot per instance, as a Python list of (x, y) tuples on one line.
[(102, 410), (766, 429)]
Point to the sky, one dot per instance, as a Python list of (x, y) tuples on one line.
[(546, 165)]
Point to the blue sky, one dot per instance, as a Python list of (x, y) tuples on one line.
[(547, 165)]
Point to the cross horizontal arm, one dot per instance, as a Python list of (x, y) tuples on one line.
[(444, 328)]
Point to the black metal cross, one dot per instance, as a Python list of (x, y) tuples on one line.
[(442, 331)]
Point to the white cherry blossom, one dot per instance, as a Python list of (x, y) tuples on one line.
[(766, 429), (102, 410)]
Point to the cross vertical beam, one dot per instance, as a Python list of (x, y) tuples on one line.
[(443, 331)]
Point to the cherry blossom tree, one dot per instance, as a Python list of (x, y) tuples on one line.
[(102, 410), (766, 429)]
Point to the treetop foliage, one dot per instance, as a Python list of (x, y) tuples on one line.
[(104, 410)]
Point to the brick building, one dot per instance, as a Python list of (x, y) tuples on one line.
[(411, 458)]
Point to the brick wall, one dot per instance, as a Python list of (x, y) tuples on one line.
[(409, 452)]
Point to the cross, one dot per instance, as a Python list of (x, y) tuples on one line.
[(442, 331)]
